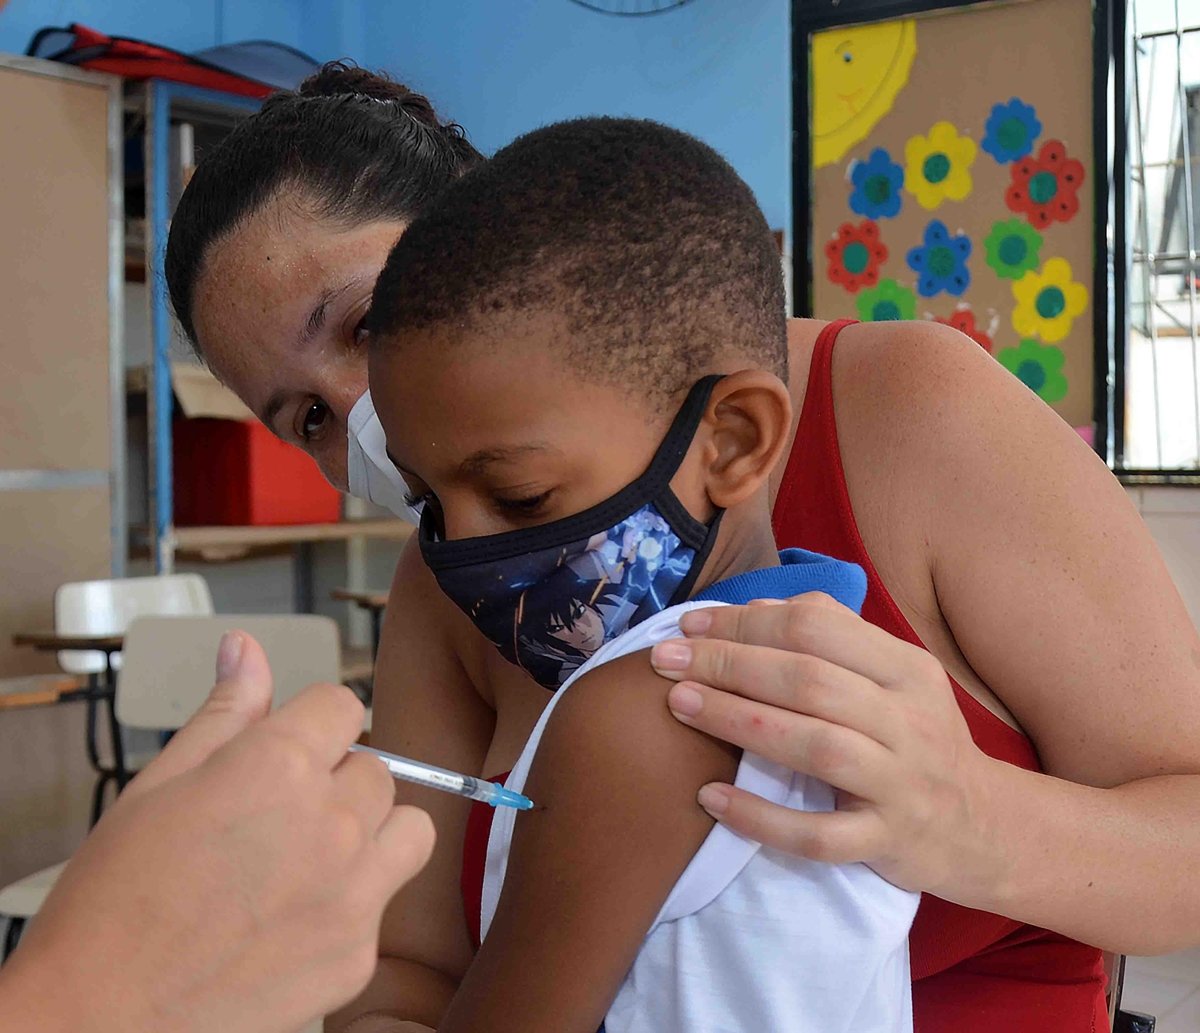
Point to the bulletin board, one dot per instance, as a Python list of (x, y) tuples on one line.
[(949, 173)]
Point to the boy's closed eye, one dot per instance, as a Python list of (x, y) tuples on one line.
[(524, 506)]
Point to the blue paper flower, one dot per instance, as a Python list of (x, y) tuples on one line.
[(941, 264), (1011, 130), (877, 182)]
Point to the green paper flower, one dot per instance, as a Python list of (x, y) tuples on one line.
[(1038, 367), (1013, 248), (886, 301)]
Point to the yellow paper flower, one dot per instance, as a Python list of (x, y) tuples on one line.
[(1048, 302), (938, 166)]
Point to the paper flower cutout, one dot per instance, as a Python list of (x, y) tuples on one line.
[(887, 301), (963, 320), (877, 182), (1045, 189), (855, 255), (1038, 367), (1048, 302), (1010, 131), (941, 264), (1012, 248), (938, 166)]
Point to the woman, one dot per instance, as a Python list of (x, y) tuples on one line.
[(1035, 775)]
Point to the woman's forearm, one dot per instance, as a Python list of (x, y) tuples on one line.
[(1111, 867)]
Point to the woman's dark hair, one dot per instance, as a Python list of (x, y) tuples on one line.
[(354, 145)]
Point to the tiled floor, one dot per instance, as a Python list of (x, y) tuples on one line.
[(1167, 988)]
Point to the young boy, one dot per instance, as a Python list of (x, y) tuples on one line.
[(578, 356)]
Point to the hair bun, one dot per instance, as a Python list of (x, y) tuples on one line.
[(345, 79)]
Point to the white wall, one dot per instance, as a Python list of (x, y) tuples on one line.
[(1173, 516)]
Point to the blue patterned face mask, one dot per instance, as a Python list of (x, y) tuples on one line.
[(550, 596)]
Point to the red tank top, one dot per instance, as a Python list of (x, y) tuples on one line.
[(971, 970)]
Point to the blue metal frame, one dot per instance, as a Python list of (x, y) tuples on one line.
[(161, 96)]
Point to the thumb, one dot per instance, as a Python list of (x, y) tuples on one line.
[(240, 698)]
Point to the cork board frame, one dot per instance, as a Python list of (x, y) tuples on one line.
[(1009, 99)]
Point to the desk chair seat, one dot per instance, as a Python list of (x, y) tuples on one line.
[(106, 607), (23, 898), (167, 675)]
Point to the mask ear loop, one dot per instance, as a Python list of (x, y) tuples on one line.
[(680, 595)]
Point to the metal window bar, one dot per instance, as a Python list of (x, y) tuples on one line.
[(1172, 250)]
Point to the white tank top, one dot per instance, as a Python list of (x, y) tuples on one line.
[(749, 938)]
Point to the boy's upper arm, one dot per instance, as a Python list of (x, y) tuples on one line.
[(425, 707), (615, 824)]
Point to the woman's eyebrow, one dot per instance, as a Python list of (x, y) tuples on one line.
[(316, 318)]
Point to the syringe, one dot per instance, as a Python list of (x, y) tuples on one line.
[(472, 788)]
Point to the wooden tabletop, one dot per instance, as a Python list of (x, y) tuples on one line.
[(39, 690), (52, 641), (367, 599)]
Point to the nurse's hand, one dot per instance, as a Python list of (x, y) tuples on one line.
[(811, 685), (236, 885)]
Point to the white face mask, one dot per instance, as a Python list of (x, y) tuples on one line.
[(371, 474)]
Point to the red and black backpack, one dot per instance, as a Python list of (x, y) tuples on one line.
[(252, 69)]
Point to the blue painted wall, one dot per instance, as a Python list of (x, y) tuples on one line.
[(715, 68), (183, 24)]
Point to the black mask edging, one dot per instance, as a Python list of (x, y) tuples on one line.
[(652, 486)]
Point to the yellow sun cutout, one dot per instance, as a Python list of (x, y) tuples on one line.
[(857, 72)]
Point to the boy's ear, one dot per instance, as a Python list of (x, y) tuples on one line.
[(750, 420)]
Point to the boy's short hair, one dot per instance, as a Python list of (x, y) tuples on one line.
[(645, 239)]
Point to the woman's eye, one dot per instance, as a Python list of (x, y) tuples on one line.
[(315, 417), (360, 329)]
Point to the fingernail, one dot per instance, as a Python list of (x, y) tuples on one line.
[(684, 701), (695, 622), (229, 655), (714, 798), (670, 658)]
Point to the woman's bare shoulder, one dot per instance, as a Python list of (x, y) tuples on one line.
[(1038, 563)]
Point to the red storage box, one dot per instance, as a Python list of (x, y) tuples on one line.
[(236, 472)]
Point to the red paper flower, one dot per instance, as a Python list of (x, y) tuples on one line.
[(855, 255), (1045, 189), (963, 320)]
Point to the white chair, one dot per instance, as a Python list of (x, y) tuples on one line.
[(168, 672), (107, 608)]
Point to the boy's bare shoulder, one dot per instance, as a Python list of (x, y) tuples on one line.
[(616, 715), (614, 825)]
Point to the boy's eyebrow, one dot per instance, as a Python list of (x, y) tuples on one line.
[(476, 461)]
